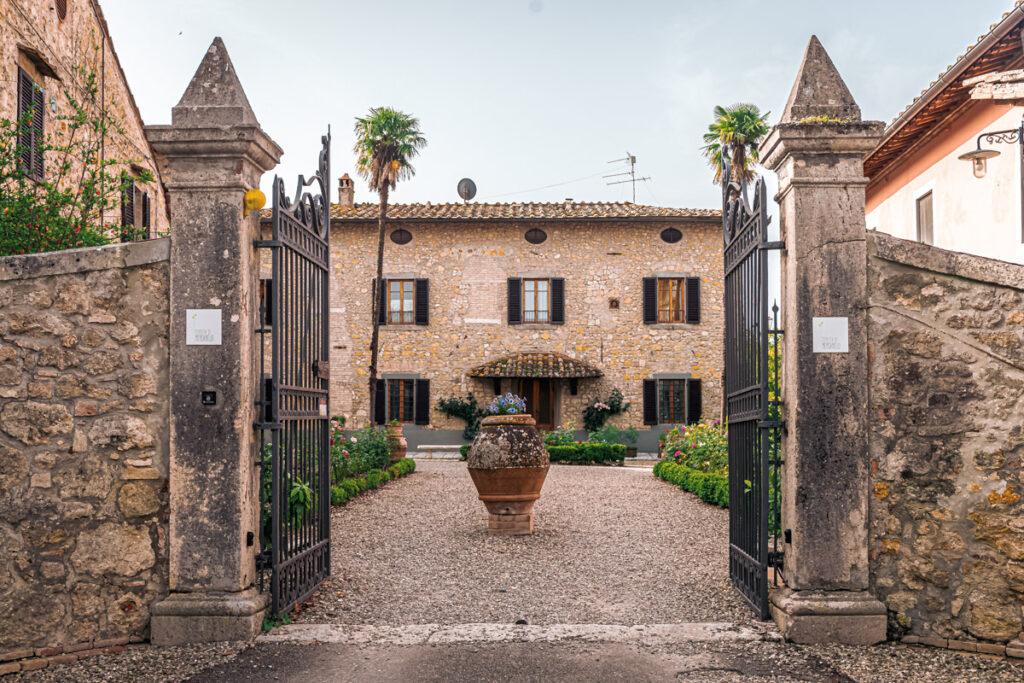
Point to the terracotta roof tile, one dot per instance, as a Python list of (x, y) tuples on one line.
[(536, 365), (367, 211)]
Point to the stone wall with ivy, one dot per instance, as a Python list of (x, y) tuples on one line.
[(83, 444), (947, 442)]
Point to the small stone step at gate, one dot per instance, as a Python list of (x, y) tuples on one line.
[(437, 452), (415, 634)]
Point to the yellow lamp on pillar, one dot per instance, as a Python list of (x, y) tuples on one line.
[(254, 200)]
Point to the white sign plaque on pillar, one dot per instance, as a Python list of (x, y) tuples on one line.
[(202, 327), (831, 335)]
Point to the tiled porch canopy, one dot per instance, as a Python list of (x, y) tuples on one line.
[(553, 365)]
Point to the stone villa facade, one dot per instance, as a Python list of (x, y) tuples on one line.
[(46, 51), (544, 300)]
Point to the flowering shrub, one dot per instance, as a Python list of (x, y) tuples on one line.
[(703, 447), (64, 209), (507, 404), (561, 436), (365, 450), (595, 414)]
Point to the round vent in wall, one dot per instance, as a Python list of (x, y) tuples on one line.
[(535, 235), (62, 8), (671, 235), (401, 236)]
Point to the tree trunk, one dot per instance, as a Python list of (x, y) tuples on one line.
[(377, 295)]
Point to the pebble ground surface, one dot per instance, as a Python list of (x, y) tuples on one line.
[(611, 546)]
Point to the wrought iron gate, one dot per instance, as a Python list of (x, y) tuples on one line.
[(294, 424), (751, 391)]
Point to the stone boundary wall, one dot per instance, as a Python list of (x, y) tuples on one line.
[(946, 523), (83, 445)]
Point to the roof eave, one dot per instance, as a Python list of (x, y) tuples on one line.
[(1012, 18), (534, 219)]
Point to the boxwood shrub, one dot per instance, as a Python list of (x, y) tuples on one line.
[(709, 487), (348, 489), (597, 453)]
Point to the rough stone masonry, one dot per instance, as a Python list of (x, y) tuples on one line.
[(83, 443), (946, 531)]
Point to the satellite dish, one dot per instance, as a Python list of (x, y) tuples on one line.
[(467, 189)]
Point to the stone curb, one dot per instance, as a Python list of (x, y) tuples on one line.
[(417, 634), (1009, 650), (30, 659)]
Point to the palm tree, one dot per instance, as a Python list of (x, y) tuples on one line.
[(736, 131), (386, 139)]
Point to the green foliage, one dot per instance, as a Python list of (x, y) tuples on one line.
[(710, 487), (367, 449), (612, 434), (464, 451), (703, 446), (300, 500), (733, 137), (561, 436), (347, 489), (65, 209), (270, 622), (588, 453), (464, 409), (598, 412), (386, 140)]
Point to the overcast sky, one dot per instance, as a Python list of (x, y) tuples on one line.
[(520, 95)]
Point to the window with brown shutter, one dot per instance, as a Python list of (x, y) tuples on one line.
[(401, 302), (536, 300), (670, 300), (400, 399)]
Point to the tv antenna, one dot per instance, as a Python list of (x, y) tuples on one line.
[(631, 160)]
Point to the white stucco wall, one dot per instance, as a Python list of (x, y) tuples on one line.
[(972, 215)]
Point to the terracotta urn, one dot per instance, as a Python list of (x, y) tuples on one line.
[(508, 463), (398, 444)]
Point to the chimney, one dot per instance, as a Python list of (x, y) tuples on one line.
[(346, 192)]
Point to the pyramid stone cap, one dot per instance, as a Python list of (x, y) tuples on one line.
[(215, 97), (819, 90)]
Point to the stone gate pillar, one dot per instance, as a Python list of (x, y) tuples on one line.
[(212, 153), (817, 149)]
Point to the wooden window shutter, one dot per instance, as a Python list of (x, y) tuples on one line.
[(37, 133), (422, 408), (694, 406), (422, 297), (650, 402), (127, 202), (650, 295), (557, 301), (380, 403), (382, 300), (146, 211), (693, 300), (515, 301)]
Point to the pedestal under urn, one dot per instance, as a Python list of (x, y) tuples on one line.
[(508, 463)]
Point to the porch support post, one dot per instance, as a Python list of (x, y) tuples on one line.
[(817, 149), (212, 153)]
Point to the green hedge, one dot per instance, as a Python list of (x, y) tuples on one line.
[(597, 453), (347, 489), (711, 488)]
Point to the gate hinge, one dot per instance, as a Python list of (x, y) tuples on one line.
[(263, 560), (267, 244), (770, 424), (779, 244)]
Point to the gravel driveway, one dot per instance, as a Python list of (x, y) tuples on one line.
[(610, 545)]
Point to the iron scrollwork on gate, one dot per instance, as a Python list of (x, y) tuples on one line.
[(293, 425), (752, 394)]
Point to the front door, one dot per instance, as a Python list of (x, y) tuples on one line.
[(537, 393)]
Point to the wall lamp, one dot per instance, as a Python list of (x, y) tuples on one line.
[(979, 157)]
